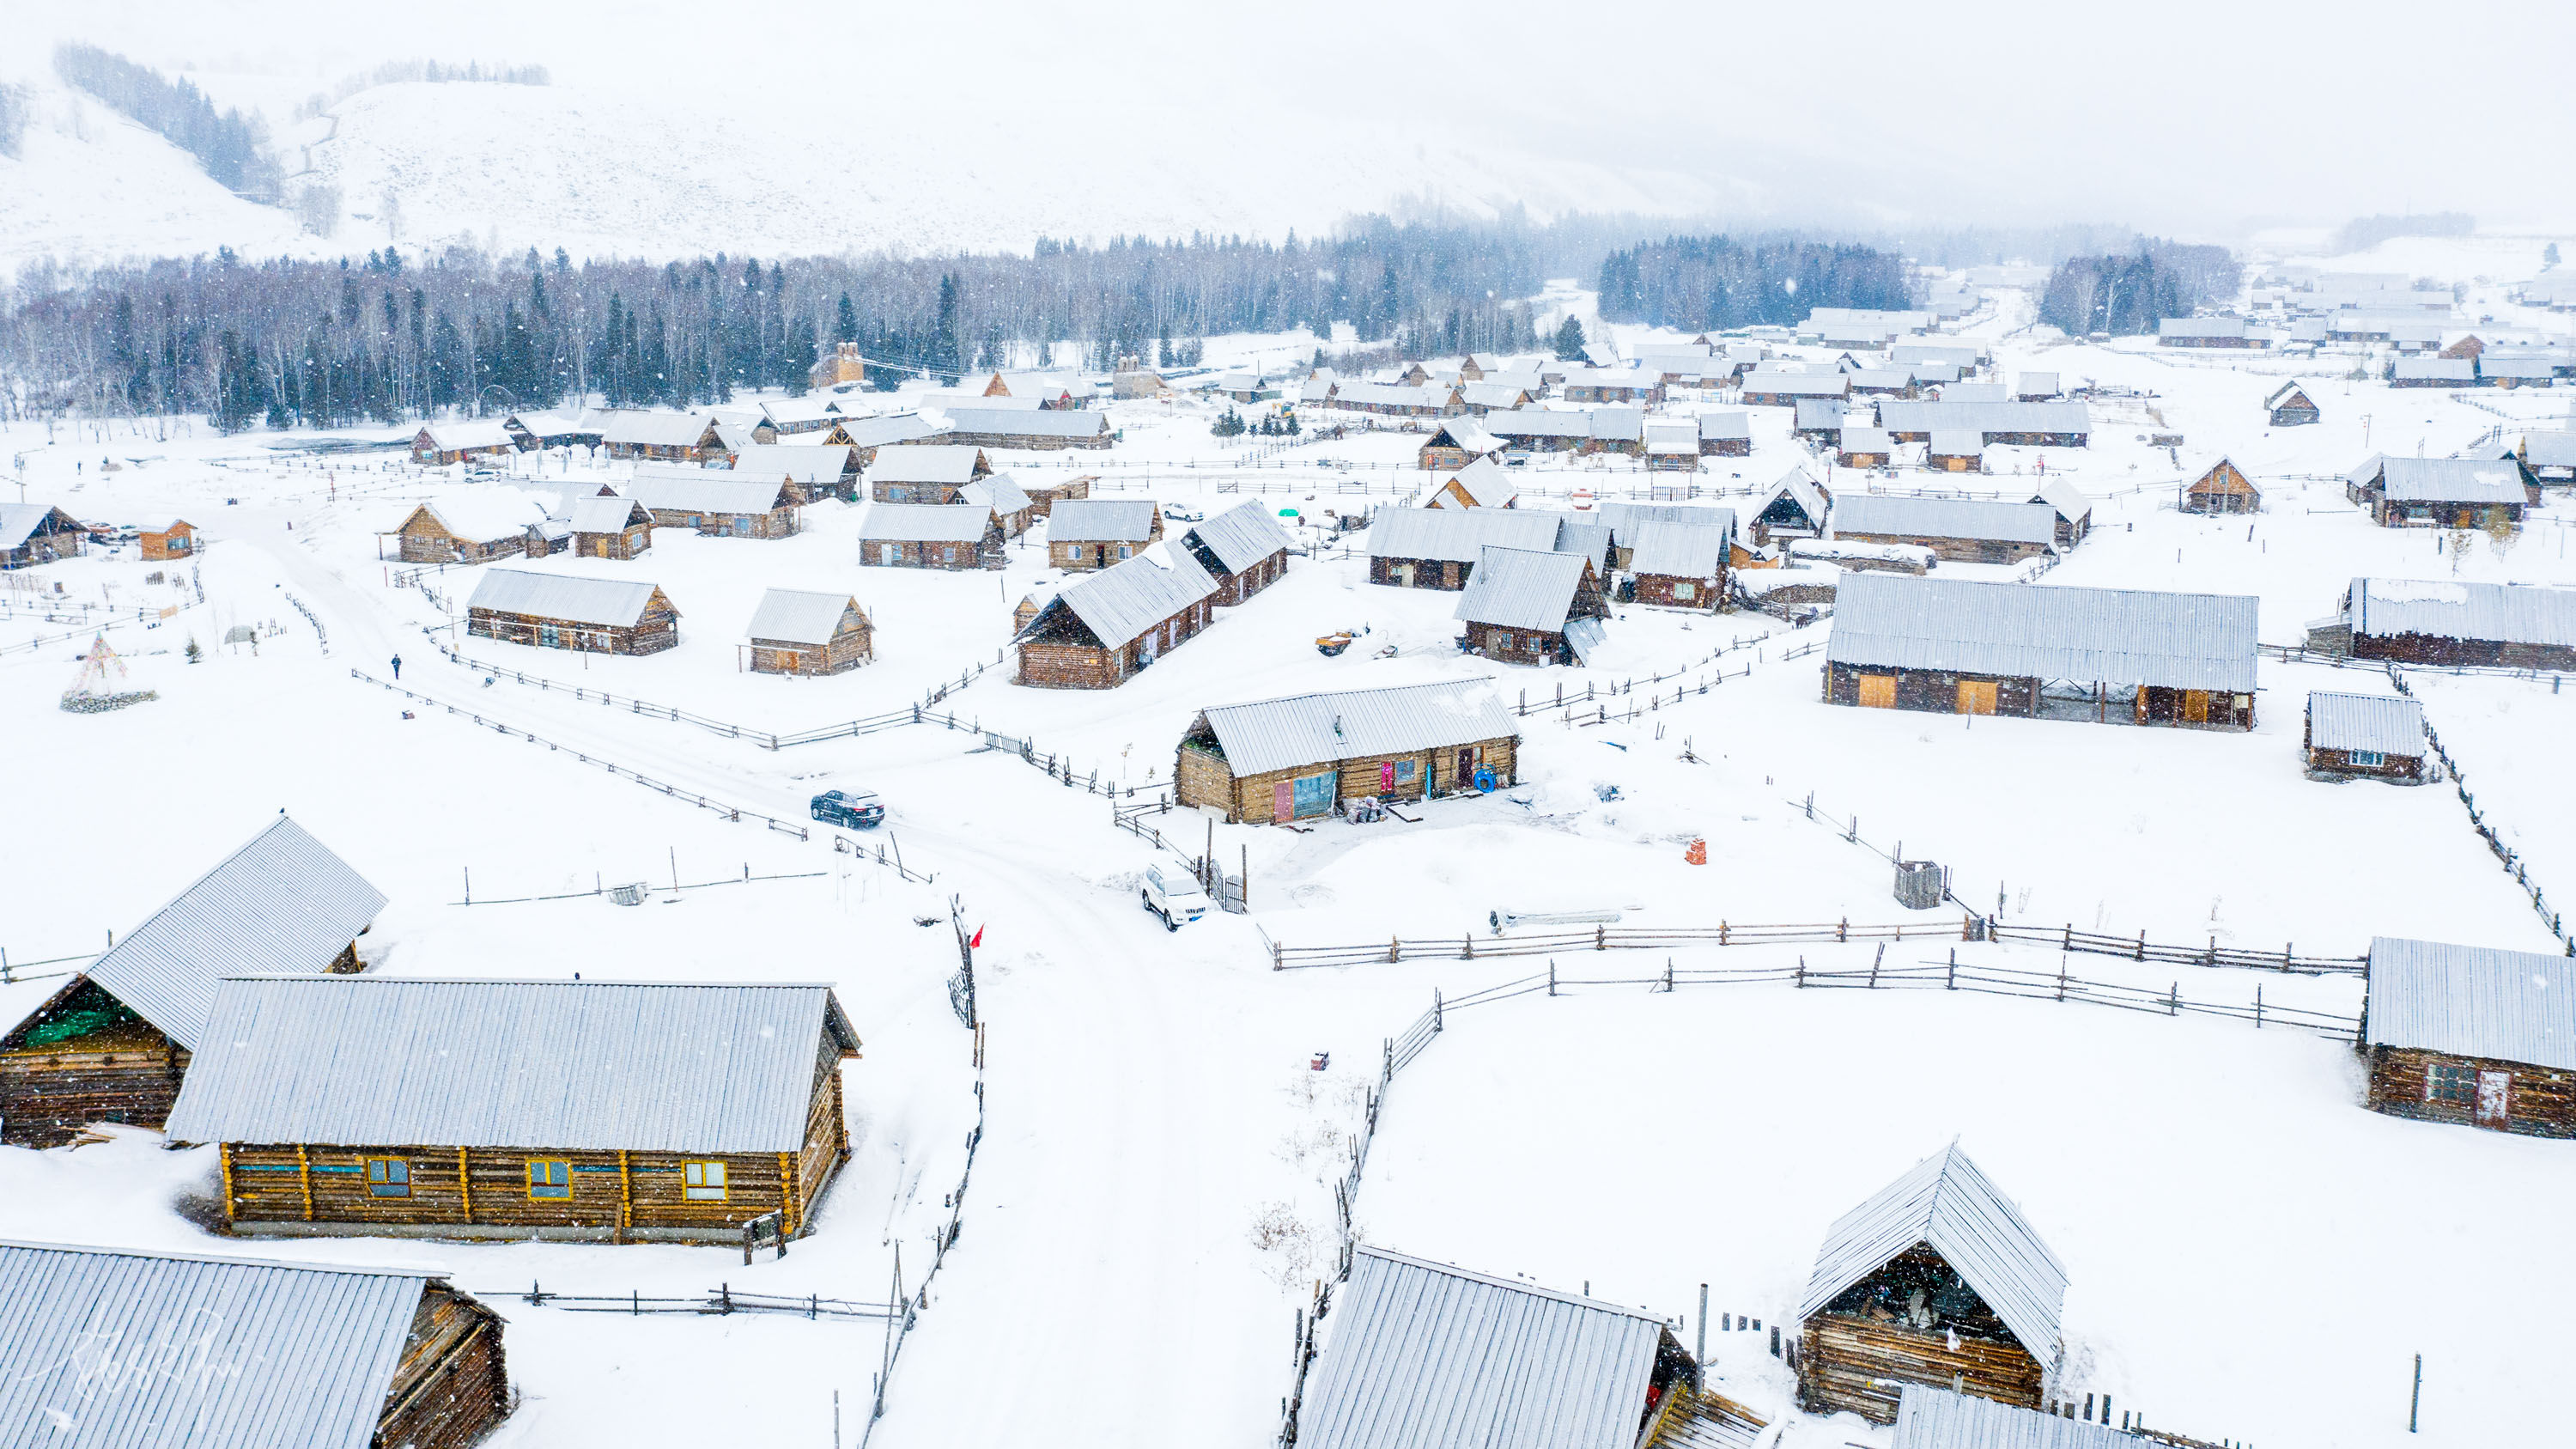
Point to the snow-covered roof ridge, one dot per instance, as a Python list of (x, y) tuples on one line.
[(1305, 729), (2472, 1001), (1948, 1204), (800, 616)]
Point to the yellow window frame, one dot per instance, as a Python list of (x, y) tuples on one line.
[(388, 1176), (704, 1180), (553, 1173)]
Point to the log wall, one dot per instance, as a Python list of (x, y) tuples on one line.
[(2540, 1101), (1517, 646), (1860, 1364), (1205, 779), (656, 631), (452, 1384), (128, 1072), (1957, 550)]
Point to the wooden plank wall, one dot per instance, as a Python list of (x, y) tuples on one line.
[(453, 1383), (1854, 1363), (2540, 1101)]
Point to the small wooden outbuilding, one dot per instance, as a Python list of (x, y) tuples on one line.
[(1858, 447), (1725, 435), (568, 611), (717, 502), (925, 472), (1044, 496), (469, 529), (1458, 442), (2379, 736), (2440, 492), (1796, 506), (1244, 549), (2223, 489), (1936, 1418), (1525, 606), (930, 536), (1481, 483), (655, 437), (438, 444), (608, 525), (164, 542), (1936, 1280), (1290, 759), (2472, 1035), (801, 631), (2290, 405), (37, 533), (2448, 622), (1093, 533), (1683, 565), (679, 1111), (816, 470), (124, 1348), (1101, 628), (1003, 497), (114, 1043), (1958, 450), (1437, 548)]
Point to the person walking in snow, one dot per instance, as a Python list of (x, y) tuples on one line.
[(397, 666)]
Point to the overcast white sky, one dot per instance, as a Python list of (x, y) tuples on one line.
[(2197, 119)]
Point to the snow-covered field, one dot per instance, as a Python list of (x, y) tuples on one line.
[(2254, 1255)]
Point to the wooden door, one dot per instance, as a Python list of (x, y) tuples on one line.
[(2495, 1099), (1878, 691), (1976, 696), (2195, 706), (1283, 801)]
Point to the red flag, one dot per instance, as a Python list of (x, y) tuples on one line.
[(978, 939)]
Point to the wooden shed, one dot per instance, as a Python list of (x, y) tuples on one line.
[(1725, 435), (1963, 530), (2448, 622), (1525, 606), (164, 542), (1029, 428), (2472, 1035), (113, 1044), (37, 533), (2375, 736), (438, 444), (1244, 549), (1672, 447), (1101, 628), (1936, 1280), (368, 1104), (1094, 533), (608, 525), (1683, 565), (930, 536), (655, 437), (1002, 496), (1299, 757), (2071, 506), (1458, 442), (124, 1348), (2440, 492), (1959, 450), (1480, 483), (1437, 548), (1796, 506), (1044, 496), (1859, 447), (469, 529), (717, 502), (2290, 405), (568, 611), (816, 470), (1905, 642), (925, 472), (2223, 489), (801, 631)]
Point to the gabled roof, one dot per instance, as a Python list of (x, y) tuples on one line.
[(20, 521), (1799, 384), (282, 902), (2036, 383), (1945, 1203), (1868, 440), (1456, 535), (708, 490), (925, 523), (1018, 423), (2545, 449), (605, 515), (1127, 598), (1799, 488), (1678, 437), (2388, 723), (996, 491), (1894, 515), (1418, 1355), (1520, 588), (2473, 1001), (1956, 443), (1494, 394), (1628, 520), (1929, 1418), (445, 1061), (609, 603), (113, 1348), (2115, 636), (2066, 498), (1100, 520), (1239, 537), (891, 429), (2450, 609), (457, 434), (800, 616), (483, 517), (1307, 729), (1681, 550), (809, 466), (1465, 433), (2444, 480), (1963, 354), (1486, 483), (949, 463), (1725, 425), (1986, 417), (656, 430), (1586, 538), (2445, 369)]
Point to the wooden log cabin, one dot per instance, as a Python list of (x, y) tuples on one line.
[(1045, 495), (1295, 758), (115, 1042), (567, 611), (2073, 510), (1102, 628), (1481, 483), (2366, 736), (1458, 442), (2548, 456), (1001, 496), (439, 444), (2440, 492), (1427, 1356), (1725, 435), (1683, 565), (718, 503), (930, 536), (1244, 549), (1524, 606), (2290, 406), (1796, 507), (801, 631), (2011, 424), (607, 525), (1962, 530), (2472, 1035), (1437, 548), (654, 437), (657, 1111), (1906, 642), (815, 470), (124, 1348), (37, 533), (1037, 429), (1787, 389), (1095, 533), (2446, 622), (170, 541), (1672, 447), (869, 436), (471, 529), (1858, 447), (2224, 489), (925, 472), (1936, 1280)]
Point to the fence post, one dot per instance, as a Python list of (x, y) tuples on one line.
[(2173, 1000), (1600, 938), (1802, 973), (1394, 949), (1438, 1022), (1551, 976), (2142, 946), (2066, 939), (1842, 929), (1953, 983), (2211, 958), (2258, 1006)]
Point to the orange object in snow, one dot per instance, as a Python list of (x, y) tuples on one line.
[(1697, 854)]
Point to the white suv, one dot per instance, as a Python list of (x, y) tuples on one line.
[(1175, 896)]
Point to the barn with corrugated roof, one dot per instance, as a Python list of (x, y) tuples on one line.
[(1530, 607), (2473, 1035), (806, 631), (569, 611), (1244, 549), (2380, 736), (1285, 759), (1101, 628)]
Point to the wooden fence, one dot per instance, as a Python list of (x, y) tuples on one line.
[(2506, 855)]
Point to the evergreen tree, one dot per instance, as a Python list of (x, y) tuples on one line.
[(2549, 255), (1569, 339), (845, 321), (944, 348)]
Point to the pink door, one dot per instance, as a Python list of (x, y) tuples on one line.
[(1283, 801)]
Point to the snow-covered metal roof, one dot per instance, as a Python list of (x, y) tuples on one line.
[(1892, 515), (1122, 601), (1028, 423), (1963, 354), (2449, 609), (1241, 536), (1309, 729), (283, 902), (1520, 588), (1486, 483), (1387, 394), (448, 1061), (1987, 418), (806, 465), (800, 616), (1585, 537), (1818, 414), (1100, 520), (1680, 550), (2549, 449), (1726, 427), (1456, 535), (891, 429), (1929, 1418), (2069, 501), (925, 523), (2435, 369), (1798, 384), (609, 603), (484, 517), (1800, 488), (115, 1348), (2201, 327), (1615, 424), (595, 514), (1868, 440), (1958, 443), (19, 522), (1540, 423), (1494, 394), (1945, 1203), (950, 463), (2036, 384), (1627, 520), (457, 434), (1679, 438), (2446, 480), (708, 490), (656, 430), (2390, 724), (1465, 433), (1418, 1355), (999, 492), (2113, 636), (2472, 1001)]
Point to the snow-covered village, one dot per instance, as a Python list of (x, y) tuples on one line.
[(1276, 758)]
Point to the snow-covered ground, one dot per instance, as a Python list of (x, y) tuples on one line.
[(2254, 1255)]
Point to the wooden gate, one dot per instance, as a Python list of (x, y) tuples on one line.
[(1976, 696), (1283, 802), (2195, 705), (1878, 691), (2495, 1099)]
